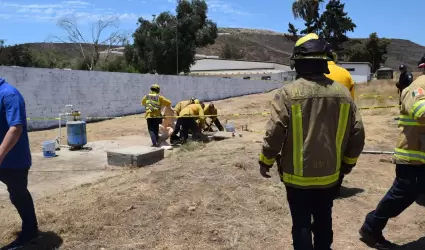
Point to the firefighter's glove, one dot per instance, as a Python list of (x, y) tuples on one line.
[(346, 168), (264, 169)]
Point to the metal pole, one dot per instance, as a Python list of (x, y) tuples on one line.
[(177, 46)]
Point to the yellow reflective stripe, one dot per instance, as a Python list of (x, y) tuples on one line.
[(408, 121), (297, 134), (344, 110), (409, 155), (418, 109), (310, 181), (265, 160), (349, 160)]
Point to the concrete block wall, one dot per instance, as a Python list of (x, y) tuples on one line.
[(108, 94)]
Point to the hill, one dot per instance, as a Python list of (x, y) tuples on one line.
[(264, 45)]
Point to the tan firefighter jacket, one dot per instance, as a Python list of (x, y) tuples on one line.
[(316, 128), (410, 147)]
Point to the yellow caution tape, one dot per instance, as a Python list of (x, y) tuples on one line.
[(194, 116)]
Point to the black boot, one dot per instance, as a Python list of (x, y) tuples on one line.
[(22, 240), (375, 241)]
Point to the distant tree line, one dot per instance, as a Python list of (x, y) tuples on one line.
[(332, 25)]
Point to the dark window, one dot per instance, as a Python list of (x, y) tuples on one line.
[(266, 78), (350, 69)]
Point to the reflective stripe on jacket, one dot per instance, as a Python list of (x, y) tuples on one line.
[(340, 75), (410, 148), (153, 103), (315, 127)]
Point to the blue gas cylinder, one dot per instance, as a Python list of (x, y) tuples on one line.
[(76, 133)]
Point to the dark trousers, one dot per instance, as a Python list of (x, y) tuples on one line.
[(153, 128), (305, 203), (408, 185), (339, 185), (16, 181), (188, 123), (218, 124)]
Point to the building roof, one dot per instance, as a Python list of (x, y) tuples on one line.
[(385, 69), (356, 63), (222, 64)]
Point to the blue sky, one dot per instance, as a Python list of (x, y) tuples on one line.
[(35, 20)]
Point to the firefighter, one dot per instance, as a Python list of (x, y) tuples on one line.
[(211, 112), (187, 121), (340, 75), (183, 104), (153, 103), (405, 79), (177, 109), (314, 134), (409, 157)]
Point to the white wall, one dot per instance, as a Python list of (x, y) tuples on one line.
[(106, 94), (359, 72)]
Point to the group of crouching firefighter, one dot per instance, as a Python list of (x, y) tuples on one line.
[(187, 117)]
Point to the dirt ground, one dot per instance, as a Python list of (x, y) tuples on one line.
[(211, 196)]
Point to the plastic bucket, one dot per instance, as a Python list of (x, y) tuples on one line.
[(49, 148), (229, 127)]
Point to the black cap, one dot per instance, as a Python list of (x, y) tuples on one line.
[(402, 66)]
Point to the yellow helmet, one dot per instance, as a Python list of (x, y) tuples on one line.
[(155, 87), (310, 46)]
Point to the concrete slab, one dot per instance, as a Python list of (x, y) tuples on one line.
[(71, 169), (138, 156)]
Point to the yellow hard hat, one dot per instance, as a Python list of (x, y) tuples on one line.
[(155, 87), (310, 46)]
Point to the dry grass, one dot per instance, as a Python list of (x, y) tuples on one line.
[(211, 196)]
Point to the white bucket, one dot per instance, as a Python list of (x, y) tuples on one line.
[(49, 148), (229, 127)]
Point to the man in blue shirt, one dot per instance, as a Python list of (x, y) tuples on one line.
[(15, 160)]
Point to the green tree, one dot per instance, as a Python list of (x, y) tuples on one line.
[(292, 33), (16, 55), (167, 44), (373, 50), (335, 24), (231, 52), (331, 25), (1, 45)]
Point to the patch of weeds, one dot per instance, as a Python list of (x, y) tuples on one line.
[(191, 146), (240, 165)]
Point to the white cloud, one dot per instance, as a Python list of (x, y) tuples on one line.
[(84, 11), (226, 8)]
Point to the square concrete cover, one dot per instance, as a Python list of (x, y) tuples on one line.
[(135, 156)]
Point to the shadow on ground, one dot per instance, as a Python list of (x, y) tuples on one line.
[(47, 241), (346, 192)]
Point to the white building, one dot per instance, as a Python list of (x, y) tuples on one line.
[(212, 66), (361, 72)]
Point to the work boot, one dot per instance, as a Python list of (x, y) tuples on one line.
[(375, 241), (22, 240), (174, 139)]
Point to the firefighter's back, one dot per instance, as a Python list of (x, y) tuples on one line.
[(321, 117)]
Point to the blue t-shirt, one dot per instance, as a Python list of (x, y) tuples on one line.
[(12, 113)]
